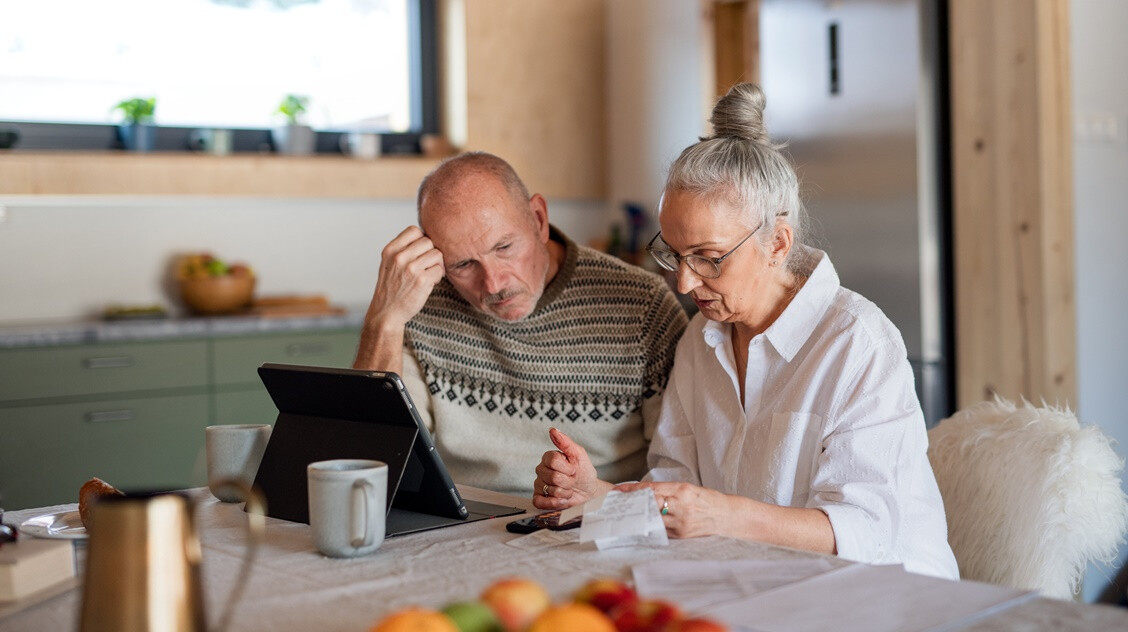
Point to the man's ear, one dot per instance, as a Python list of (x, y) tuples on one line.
[(539, 209)]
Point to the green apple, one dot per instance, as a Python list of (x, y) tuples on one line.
[(473, 616)]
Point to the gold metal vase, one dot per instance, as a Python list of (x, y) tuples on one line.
[(143, 564)]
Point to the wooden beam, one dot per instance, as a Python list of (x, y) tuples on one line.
[(736, 42), (1012, 200)]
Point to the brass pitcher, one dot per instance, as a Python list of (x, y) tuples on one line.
[(143, 563)]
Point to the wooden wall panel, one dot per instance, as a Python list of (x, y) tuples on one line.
[(736, 42), (1012, 200), (535, 90)]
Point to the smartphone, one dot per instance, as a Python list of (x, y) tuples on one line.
[(549, 520)]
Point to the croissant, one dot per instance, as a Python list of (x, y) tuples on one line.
[(90, 493)]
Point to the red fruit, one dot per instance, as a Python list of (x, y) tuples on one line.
[(698, 624), (605, 594), (647, 615)]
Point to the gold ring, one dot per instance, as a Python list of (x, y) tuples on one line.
[(665, 507), (544, 490)]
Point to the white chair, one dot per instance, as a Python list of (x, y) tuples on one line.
[(1031, 496)]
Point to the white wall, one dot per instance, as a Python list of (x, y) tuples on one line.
[(65, 258), (1100, 180), (657, 70)]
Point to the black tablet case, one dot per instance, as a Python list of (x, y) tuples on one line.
[(327, 413)]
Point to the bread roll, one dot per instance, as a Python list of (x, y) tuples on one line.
[(90, 493)]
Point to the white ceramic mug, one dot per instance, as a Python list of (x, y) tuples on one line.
[(347, 505), (234, 452), (360, 145)]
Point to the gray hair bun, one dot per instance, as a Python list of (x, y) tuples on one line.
[(740, 114)]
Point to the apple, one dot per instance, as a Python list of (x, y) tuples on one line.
[(699, 624), (516, 601), (646, 615), (572, 617), (473, 616), (606, 594)]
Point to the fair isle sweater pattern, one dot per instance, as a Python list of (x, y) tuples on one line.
[(600, 341)]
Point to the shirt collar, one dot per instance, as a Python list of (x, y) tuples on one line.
[(795, 325)]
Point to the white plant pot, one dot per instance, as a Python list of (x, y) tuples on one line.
[(294, 140)]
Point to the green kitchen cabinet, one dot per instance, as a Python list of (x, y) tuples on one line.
[(236, 360), (83, 370), (134, 413), (150, 443)]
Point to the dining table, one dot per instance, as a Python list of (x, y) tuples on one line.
[(292, 587)]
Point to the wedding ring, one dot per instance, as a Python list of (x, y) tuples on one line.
[(665, 507), (544, 490)]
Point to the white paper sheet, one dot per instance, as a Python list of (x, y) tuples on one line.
[(623, 519), (866, 598), (695, 585)]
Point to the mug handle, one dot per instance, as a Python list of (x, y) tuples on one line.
[(256, 529), (366, 489)]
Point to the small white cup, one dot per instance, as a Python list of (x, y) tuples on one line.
[(363, 145), (347, 505), (234, 452)]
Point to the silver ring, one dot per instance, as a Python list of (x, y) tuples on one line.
[(544, 490), (665, 507)]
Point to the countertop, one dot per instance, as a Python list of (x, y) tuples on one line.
[(58, 333)]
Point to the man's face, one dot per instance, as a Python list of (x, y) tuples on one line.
[(494, 249)]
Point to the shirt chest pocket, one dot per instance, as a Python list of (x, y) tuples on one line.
[(792, 448)]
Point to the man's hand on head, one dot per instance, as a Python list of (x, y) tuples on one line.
[(410, 266)]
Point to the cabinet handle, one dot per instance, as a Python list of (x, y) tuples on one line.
[(307, 348), (108, 362), (104, 416)]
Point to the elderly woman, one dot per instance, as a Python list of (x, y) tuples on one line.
[(790, 416)]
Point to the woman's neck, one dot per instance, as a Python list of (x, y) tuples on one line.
[(744, 331)]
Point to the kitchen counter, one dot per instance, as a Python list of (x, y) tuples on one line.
[(49, 334)]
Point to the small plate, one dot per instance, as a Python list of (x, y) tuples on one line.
[(64, 525)]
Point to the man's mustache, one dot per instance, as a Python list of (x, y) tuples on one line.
[(493, 299)]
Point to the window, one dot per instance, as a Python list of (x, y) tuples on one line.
[(362, 65)]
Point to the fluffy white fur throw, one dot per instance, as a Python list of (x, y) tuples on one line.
[(1031, 497)]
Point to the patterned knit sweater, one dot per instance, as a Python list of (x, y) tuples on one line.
[(591, 359)]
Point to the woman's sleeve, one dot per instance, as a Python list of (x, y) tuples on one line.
[(864, 472), (673, 449)]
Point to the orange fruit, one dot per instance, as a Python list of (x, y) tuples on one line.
[(415, 619), (571, 617)]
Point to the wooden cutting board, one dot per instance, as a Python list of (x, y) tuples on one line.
[(292, 305)]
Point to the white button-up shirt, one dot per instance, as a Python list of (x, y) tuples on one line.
[(830, 420)]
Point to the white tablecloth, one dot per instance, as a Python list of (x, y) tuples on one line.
[(293, 587)]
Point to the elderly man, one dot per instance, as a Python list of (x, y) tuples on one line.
[(502, 327)]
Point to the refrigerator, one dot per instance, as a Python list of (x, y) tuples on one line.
[(857, 90)]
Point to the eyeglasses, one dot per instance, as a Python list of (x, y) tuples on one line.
[(702, 266)]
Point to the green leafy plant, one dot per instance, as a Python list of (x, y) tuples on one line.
[(137, 110), (293, 106)]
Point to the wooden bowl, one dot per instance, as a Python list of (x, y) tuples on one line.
[(219, 294)]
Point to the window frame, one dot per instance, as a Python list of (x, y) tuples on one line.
[(424, 106)]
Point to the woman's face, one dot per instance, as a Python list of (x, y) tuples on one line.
[(746, 289)]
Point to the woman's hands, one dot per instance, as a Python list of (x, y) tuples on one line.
[(565, 476), (691, 511)]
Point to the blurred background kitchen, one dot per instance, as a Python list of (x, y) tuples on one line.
[(965, 163)]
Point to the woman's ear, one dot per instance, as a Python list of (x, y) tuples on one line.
[(782, 240)]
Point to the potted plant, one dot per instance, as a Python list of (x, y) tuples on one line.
[(295, 138), (136, 129)]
